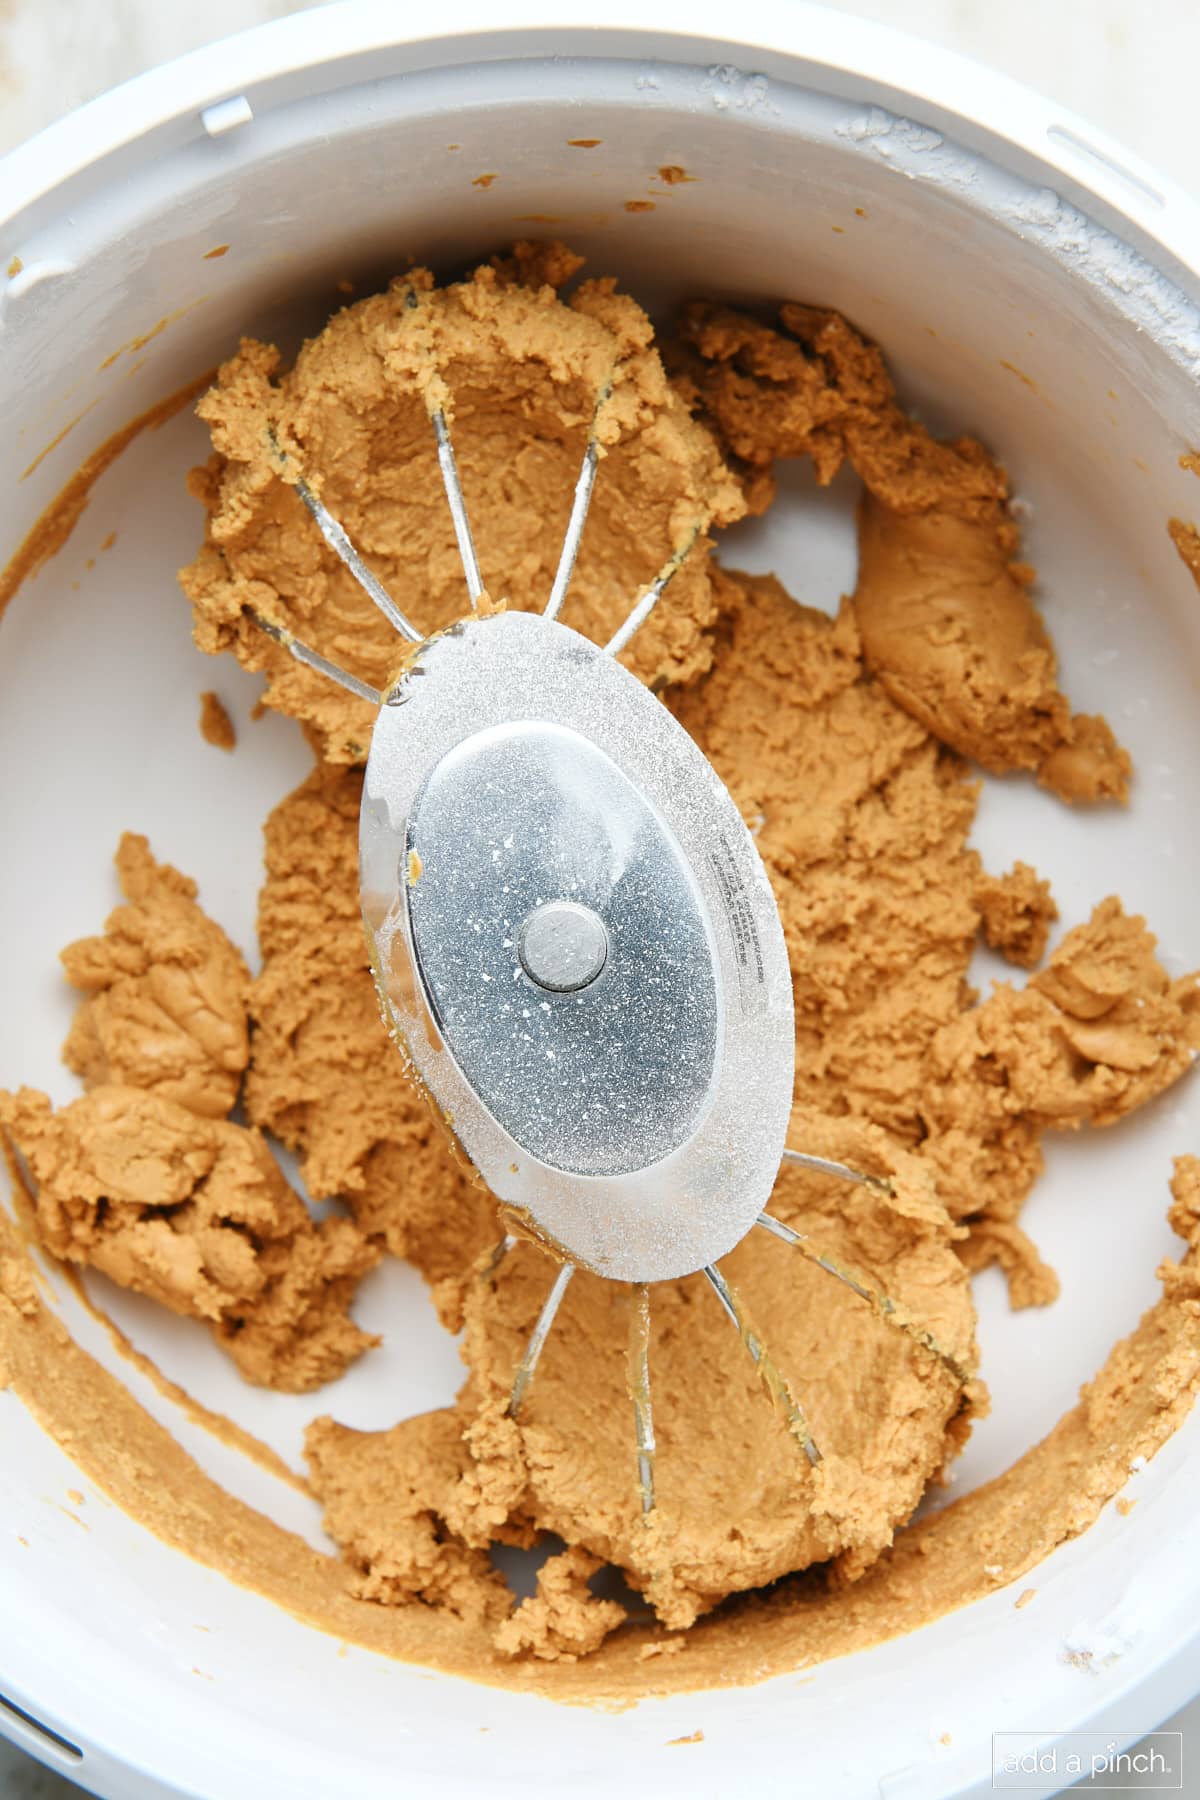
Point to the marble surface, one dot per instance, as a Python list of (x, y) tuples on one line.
[(1128, 65)]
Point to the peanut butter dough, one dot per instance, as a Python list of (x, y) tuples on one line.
[(145, 1180), (324, 1077), (385, 1495), (216, 726), (166, 1006), (569, 1466), (564, 1620), (1016, 911), (843, 741), (195, 1213), (862, 821), (943, 605), (522, 378)]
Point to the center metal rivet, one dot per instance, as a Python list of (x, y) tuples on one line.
[(563, 946)]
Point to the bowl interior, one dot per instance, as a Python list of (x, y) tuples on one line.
[(795, 193)]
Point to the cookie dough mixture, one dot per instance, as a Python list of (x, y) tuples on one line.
[(848, 744)]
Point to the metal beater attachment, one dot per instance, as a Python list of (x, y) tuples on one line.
[(578, 952)]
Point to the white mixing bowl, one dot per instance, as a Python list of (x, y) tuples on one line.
[(1029, 283)]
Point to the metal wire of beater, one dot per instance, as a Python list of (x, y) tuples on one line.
[(339, 542)]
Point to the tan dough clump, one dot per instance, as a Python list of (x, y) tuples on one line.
[(942, 601), (144, 1178), (324, 1077), (564, 1619), (520, 374), (1016, 912), (862, 819), (195, 1213), (1100, 1031), (386, 1494), (166, 1006), (885, 1412), (216, 726)]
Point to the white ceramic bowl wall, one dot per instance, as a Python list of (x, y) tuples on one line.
[(1029, 283)]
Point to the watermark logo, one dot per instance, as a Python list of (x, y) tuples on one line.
[(1034, 1762)]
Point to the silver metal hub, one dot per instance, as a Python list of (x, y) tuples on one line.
[(563, 946), (530, 827)]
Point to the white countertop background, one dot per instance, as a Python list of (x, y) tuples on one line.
[(1130, 66)]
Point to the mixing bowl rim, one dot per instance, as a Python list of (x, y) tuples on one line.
[(859, 60), (984, 111)]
